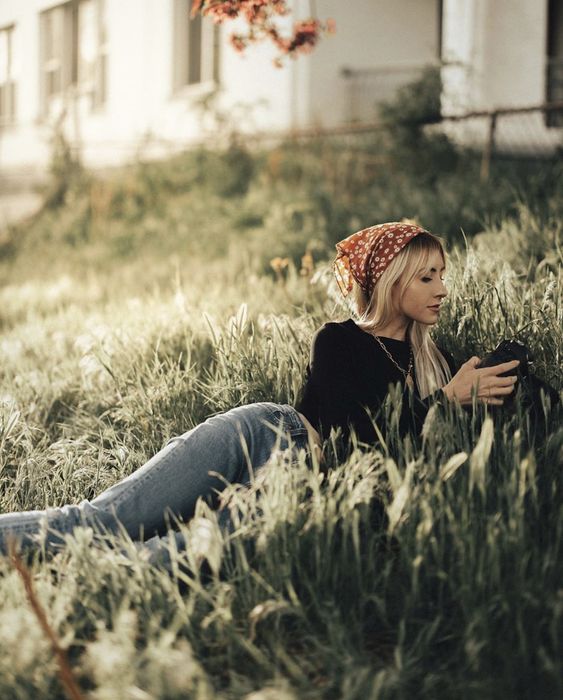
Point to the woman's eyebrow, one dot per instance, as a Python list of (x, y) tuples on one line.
[(432, 269)]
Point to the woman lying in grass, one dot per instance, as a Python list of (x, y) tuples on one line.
[(395, 271)]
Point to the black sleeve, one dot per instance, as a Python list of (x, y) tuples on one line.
[(333, 386), (413, 416), (415, 409)]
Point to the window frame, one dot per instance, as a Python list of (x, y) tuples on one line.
[(8, 88), (182, 84), (71, 83)]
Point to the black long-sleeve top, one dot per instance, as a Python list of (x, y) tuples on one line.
[(349, 372)]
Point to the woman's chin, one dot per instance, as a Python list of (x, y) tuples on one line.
[(428, 320)]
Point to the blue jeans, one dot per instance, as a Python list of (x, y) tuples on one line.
[(234, 445)]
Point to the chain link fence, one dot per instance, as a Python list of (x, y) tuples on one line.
[(526, 132), (534, 132)]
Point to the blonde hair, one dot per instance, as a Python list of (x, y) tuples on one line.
[(432, 370)]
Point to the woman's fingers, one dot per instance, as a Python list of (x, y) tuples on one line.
[(488, 384), (489, 387), (493, 402), (505, 381), (499, 369), (502, 389), (497, 386)]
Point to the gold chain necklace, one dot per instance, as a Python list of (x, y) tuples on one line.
[(407, 373)]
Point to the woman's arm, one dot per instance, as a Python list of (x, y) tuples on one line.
[(415, 409), (414, 412), (484, 382)]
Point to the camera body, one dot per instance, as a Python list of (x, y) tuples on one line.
[(531, 387), (506, 351)]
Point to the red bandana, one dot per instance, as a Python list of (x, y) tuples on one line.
[(365, 255)]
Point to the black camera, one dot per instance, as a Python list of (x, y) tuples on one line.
[(531, 386), (506, 351)]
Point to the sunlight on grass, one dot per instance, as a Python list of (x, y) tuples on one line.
[(416, 569)]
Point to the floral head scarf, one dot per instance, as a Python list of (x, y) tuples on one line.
[(365, 255)]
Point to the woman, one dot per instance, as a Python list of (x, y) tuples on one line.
[(395, 274), (395, 271)]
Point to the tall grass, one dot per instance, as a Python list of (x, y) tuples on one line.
[(425, 568)]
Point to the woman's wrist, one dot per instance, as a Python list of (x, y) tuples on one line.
[(447, 391)]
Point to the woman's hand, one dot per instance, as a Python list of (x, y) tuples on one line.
[(489, 386)]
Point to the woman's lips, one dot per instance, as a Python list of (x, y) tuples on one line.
[(434, 308)]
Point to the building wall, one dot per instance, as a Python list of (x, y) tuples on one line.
[(495, 49), (255, 95), (24, 143), (105, 134), (142, 112), (495, 53), (382, 43), (515, 50)]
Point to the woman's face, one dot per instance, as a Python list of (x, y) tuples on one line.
[(426, 291)]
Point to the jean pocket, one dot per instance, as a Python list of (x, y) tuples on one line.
[(274, 411), (291, 419)]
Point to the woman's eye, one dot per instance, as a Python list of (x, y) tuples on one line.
[(426, 279)]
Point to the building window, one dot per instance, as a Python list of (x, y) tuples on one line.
[(7, 81), (92, 50), (73, 53), (554, 65), (196, 45)]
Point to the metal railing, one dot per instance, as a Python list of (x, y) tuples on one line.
[(511, 131)]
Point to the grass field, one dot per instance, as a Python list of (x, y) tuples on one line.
[(138, 305)]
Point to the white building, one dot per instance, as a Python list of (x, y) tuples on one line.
[(126, 76), (503, 54)]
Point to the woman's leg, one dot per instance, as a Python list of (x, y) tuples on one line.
[(224, 449)]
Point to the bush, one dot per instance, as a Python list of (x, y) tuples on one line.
[(416, 103), (65, 171)]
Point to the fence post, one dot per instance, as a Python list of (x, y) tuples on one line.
[(489, 146)]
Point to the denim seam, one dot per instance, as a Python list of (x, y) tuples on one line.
[(25, 527), (298, 431), (286, 429), (291, 418), (272, 408)]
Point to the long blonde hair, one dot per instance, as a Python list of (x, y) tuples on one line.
[(432, 370)]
